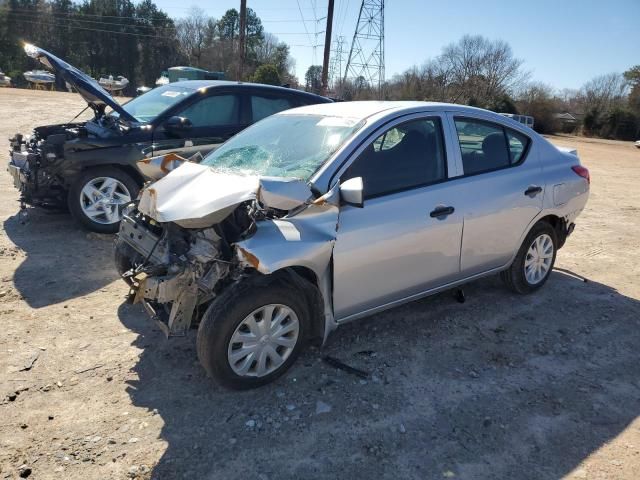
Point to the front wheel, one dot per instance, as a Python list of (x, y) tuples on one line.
[(252, 333), (535, 259), (97, 197)]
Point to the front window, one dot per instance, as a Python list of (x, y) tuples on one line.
[(148, 106), (283, 146), (407, 156)]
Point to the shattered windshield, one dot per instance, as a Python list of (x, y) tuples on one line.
[(283, 146), (148, 106)]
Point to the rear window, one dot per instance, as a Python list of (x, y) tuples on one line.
[(262, 106), (518, 144), (487, 146)]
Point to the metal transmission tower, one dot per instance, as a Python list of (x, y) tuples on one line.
[(337, 60), (366, 57)]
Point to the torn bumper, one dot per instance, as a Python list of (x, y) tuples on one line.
[(168, 285), (170, 300)]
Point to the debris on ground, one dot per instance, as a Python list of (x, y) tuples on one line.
[(29, 363), (322, 407), (334, 362)]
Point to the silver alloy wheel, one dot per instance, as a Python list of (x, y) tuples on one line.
[(102, 199), (537, 263), (263, 341)]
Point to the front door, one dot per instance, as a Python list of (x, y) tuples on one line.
[(406, 238), (214, 119)]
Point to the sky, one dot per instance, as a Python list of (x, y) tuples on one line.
[(564, 43)]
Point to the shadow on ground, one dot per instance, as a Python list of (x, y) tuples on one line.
[(501, 386), (63, 261)]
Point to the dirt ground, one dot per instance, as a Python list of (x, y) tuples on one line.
[(501, 387)]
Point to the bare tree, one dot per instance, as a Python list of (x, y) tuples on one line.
[(478, 70), (604, 92), (473, 70), (195, 32)]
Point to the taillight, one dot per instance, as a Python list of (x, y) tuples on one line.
[(582, 171)]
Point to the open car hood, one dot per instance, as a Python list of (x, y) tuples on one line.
[(196, 196), (96, 96)]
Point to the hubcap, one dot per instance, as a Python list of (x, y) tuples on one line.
[(263, 341), (102, 199), (537, 263)]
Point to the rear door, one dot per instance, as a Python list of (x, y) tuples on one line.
[(502, 190), (214, 119)]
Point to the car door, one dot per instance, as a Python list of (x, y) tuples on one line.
[(213, 119), (503, 191), (406, 238)]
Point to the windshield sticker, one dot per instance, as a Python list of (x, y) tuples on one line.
[(172, 93), (337, 122)]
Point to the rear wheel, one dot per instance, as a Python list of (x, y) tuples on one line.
[(535, 259), (97, 198), (252, 333)]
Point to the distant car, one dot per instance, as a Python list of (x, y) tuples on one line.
[(324, 214), (93, 167), (637, 144)]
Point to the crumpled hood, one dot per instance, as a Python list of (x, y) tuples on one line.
[(96, 96), (196, 196)]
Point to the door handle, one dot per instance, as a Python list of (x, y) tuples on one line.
[(532, 191), (441, 212)]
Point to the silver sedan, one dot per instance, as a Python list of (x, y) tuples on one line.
[(324, 214)]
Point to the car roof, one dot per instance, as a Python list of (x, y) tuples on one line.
[(207, 84), (360, 110)]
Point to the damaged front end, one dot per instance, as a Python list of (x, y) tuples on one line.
[(178, 270), (196, 232)]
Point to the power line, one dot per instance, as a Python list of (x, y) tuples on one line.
[(58, 22), (23, 16), (80, 14), (75, 27), (303, 22)]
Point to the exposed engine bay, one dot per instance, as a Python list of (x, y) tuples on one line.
[(183, 269), (40, 164), (183, 255)]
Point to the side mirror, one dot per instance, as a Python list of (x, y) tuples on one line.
[(178, 124), (352, 192)]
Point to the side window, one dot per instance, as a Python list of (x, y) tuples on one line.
[(483, 146), (407, 156), (213, 111), (264, 106), (518, 144)]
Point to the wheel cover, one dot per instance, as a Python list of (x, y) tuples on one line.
[(537, 262), (263, 341), (102, 199)]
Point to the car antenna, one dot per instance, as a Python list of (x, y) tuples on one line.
[(81, 112)]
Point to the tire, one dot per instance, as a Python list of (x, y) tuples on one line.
[(225, 317), (108, 209), (515, 277), (125, 258)]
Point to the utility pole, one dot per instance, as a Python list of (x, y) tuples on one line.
[(327, 49), (243, 37)]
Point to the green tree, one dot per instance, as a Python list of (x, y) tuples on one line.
[(313, 79), (267, 74)]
